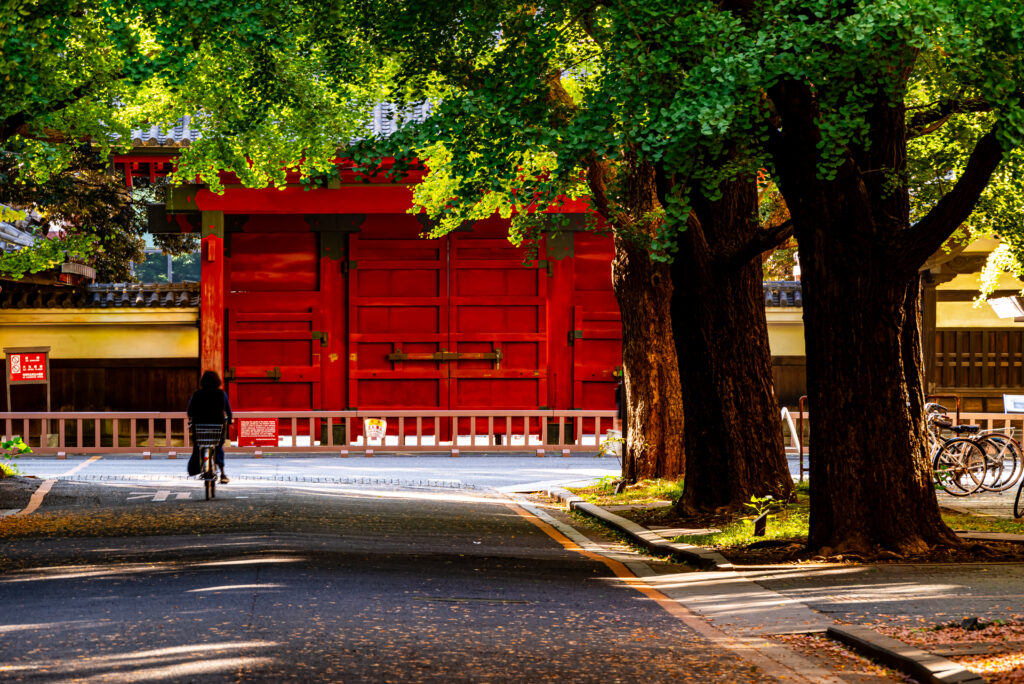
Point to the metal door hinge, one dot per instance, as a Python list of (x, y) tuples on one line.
[(349, 266), (275, 374), (546, 265), (229, 374), (575, 335), (320, 335)]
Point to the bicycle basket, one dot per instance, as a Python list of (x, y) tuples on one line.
[(208, 435)]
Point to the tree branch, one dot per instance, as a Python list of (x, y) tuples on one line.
[(930, 120), (914, 247), (760, 243), (12, 125)]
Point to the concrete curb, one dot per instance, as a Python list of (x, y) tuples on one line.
[(992, 536), (922, 666), (652, 541)]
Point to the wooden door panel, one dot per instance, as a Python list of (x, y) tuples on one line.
[(597, 358), (275, 332), (498, 322), (398, 316), (274, 262)]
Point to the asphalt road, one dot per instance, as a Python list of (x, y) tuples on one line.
[(285, 580), (506, 473)]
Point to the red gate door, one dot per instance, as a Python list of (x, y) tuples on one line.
[(596, 358), (274, 324), (398, 316), (498, 322), (275, 360)]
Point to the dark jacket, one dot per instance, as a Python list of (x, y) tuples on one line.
[(208, 406)]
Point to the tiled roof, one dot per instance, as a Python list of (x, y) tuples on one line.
[(13, 238), (779, 293), (782, 293), (385, 120), (102, 296), (180, 136)]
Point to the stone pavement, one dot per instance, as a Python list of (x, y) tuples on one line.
[(995, 504)]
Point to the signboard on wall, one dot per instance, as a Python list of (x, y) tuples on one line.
[(257, 432), (27, 366)]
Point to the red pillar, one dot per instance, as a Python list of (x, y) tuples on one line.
[(211, 307)]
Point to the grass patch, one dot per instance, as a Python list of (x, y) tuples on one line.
[(644, 491), (786, 522), (790, 523)]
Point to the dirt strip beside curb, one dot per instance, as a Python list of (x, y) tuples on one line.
[(652, 541), (922, 666)]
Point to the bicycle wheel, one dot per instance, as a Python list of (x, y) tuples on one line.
[(1018, 503), (1002, 451), (959, 467), (208, 472)]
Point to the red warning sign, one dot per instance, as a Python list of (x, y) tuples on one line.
[(27, 367), (257, 432)]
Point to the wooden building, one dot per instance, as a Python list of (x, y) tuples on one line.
[(114, 347), (329, 299)]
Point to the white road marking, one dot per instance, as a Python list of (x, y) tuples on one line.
[(160, 495), (184, 495)]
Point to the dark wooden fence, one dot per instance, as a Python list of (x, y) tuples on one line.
[(110, 385)]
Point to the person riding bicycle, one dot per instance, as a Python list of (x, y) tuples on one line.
[(209, 404)]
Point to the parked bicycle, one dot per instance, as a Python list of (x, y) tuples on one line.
[(208, 437), (973, 458)]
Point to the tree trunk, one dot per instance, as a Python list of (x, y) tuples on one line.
[(871, 482), (733, 436), (654, 420)]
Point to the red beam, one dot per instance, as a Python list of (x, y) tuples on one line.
[(354, 199)]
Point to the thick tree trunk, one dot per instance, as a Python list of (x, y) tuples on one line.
[(654, 422), (871, 482), (734, 443)]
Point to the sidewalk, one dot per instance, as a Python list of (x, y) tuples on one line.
[(759, 601)]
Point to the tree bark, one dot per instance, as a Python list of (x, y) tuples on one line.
[(654, 420), (733, 438), (871, 481)]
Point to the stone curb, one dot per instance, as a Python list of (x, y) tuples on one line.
[(922, 666), (1006, 537), (652, 541)]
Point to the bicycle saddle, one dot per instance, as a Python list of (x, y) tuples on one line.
[(967, 429)]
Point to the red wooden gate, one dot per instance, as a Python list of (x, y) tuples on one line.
[(274, 321), (596, 335), (398, 316), (456, 323)]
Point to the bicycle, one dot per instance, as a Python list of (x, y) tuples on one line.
[(959, 464), (209, 436), (1002, 453)]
